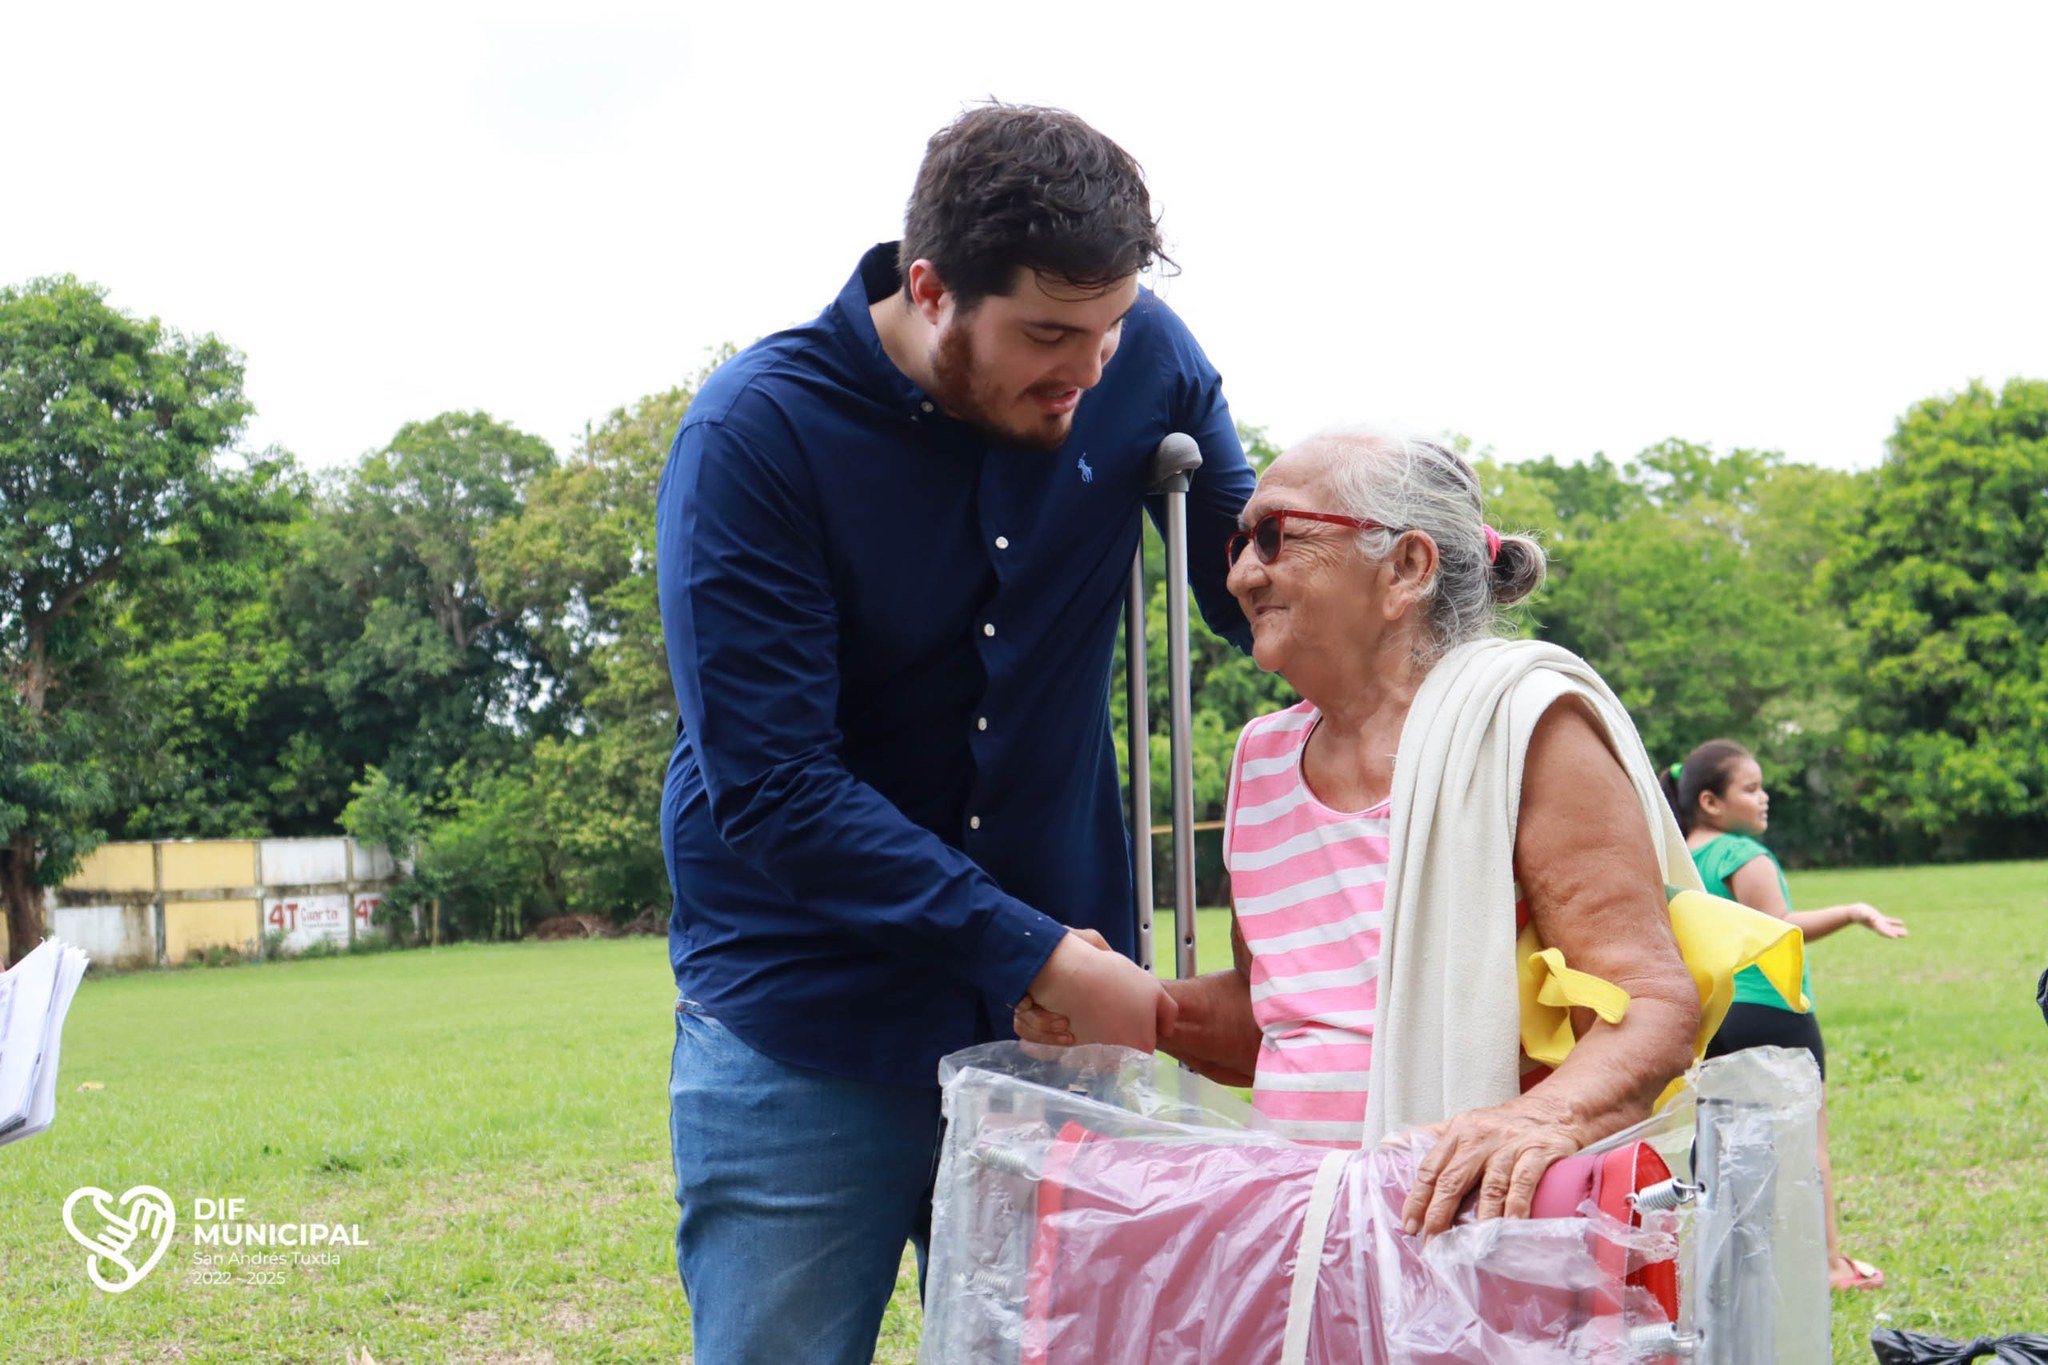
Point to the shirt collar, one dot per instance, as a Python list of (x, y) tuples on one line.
[(876, 277)]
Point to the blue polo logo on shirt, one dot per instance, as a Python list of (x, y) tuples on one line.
[(1087, 474)]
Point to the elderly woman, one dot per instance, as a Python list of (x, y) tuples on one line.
[(1437, 789)]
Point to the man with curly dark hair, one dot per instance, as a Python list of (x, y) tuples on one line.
[(892, 548)]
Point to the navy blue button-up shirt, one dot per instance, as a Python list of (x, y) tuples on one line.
[(894, 784)]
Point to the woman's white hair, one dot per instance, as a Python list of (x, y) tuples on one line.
[(1413, 483)]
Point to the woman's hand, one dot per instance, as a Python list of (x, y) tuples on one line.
[(1214, 1034), (1502, 1152)]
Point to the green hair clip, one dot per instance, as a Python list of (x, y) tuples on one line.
[(1677, 768)]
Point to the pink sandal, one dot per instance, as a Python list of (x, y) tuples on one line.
[(1862, 1275)]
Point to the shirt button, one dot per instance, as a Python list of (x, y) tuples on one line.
[(1002, 542), (981, 722), (989, 629), (974, 822), (926, 406)]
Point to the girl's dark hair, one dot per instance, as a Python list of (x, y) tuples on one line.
[(1709, 768), (1015, 186)]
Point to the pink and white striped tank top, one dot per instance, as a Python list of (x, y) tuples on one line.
[(1309, 884)]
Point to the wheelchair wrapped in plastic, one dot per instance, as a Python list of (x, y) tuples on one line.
[(1102, 1206)]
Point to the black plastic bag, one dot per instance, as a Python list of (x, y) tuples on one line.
[(1914, 1348)]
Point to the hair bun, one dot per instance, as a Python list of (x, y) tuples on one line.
[(1517, 570)]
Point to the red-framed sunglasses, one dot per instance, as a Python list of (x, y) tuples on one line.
[(1269, 533)]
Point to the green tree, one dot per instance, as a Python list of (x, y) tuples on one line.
[(383, 814), (418, 668), (577, 567), (1589, 492), (491, 859), (1946, 580), (1688, 579), (109, 431), (220, 692)]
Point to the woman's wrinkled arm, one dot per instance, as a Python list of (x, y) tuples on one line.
[(1590, 874), (1215, 1034)]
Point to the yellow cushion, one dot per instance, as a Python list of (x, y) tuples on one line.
[(1716, 937)]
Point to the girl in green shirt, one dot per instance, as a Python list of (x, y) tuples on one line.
[(1718, 795)]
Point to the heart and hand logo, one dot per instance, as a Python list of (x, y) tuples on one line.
[(144, 1212)]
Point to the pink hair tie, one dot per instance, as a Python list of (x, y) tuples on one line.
[(1492, 543)]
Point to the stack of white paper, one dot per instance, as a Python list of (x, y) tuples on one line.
[(33, 999)]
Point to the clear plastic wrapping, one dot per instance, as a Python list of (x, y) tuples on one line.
[(1759, 1253), (1098, 1205)]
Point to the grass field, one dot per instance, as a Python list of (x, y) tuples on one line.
[(493, 1121)]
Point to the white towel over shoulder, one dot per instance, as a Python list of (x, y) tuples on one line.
[(1447, 1033)]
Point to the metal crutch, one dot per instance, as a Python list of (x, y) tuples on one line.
[(1173, 462)]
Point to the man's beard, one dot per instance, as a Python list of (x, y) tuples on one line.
[(958, 384)]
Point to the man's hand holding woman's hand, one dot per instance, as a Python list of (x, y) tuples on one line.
[(1087, 994)]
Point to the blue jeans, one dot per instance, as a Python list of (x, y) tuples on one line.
[(798, 1190)]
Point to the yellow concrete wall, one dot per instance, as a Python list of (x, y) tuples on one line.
[(197, 866), (193, 926), (115, 867)]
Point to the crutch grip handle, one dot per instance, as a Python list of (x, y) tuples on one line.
[(1177, 457)]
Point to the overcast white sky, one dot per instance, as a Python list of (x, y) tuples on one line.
[(1556, 229)]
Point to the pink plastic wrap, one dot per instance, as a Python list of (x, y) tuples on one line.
[(1098, 1208)]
